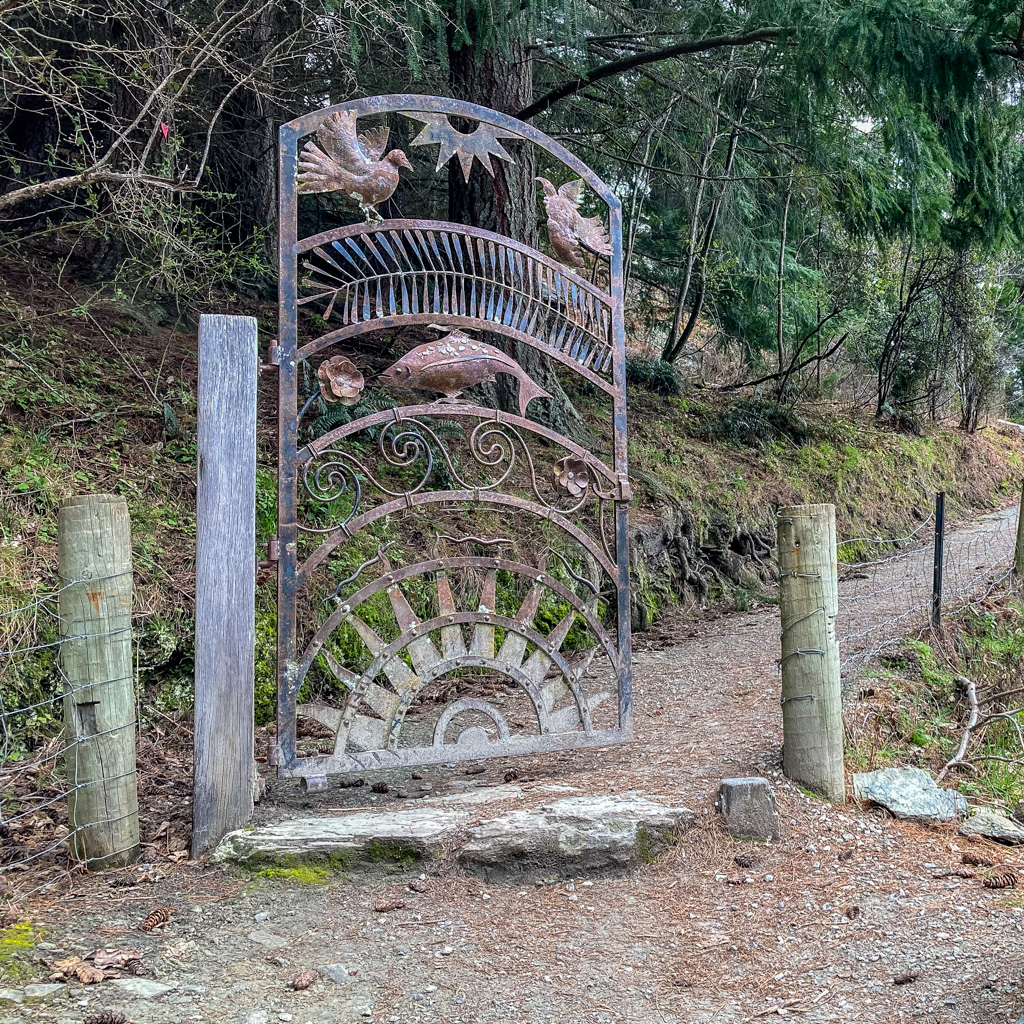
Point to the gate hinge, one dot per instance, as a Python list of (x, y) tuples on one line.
[(273, 553), (273, 358), (623, 488)]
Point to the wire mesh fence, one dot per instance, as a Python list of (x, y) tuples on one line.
[(41, 748), (886, 585)]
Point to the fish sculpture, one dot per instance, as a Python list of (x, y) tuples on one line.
[(455, 362), (351, 162), (569, 232)]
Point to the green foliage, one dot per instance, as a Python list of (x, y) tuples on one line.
[(654, 375)]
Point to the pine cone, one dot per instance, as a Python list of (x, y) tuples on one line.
[(386, 906), (975, 860), (106, 1017), (743, 860), (305, 979), (158, 917), (133, 965), (380, 787), (351, 783), (905, 978), (1004, 880), (511, 775)]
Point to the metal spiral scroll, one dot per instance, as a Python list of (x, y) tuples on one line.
[(493, 446)]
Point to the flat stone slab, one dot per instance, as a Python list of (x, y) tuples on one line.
[(911, 794), (989, 824), (587, 832)]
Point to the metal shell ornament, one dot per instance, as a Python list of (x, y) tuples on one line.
[(571, 475), (340, 380), (482, 144)]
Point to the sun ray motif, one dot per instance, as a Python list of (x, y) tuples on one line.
[(375, 711), (482, 144)]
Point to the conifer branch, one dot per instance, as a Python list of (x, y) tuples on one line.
[(618, 67)]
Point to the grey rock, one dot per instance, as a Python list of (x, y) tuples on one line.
[(989, 824), (11, 996), (44, 993), (142, 988), (338, 973), (588, 832), (911, 794), (748, 808), (257, 1017), (261, 917), (268, 939)]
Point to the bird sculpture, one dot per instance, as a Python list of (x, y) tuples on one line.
[(569, 232), (351, 162)]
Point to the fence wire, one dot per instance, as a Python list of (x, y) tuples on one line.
[(885, 591), (37, 754)]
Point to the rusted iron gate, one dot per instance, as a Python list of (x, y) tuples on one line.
[(561, 615)]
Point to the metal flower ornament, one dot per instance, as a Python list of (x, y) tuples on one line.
[(571, 475), (340, 380)]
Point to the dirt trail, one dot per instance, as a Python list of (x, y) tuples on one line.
[(692, 938)]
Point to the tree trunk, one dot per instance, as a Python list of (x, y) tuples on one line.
[(505, 203)]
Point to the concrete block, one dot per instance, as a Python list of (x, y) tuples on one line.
[(748, 808)]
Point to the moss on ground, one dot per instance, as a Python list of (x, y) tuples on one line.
[(17, 943)]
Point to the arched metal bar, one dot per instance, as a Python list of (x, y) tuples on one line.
[(470, 704), (302, 573), (406, 572)]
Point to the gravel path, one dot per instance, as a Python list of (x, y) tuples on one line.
[(691, 938)]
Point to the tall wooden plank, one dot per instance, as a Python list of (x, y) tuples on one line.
[(812, 720), (225, 578), (95, 557)]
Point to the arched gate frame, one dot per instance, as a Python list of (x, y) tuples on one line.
[(377, 276)]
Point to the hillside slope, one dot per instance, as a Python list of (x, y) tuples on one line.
[(102, 398)]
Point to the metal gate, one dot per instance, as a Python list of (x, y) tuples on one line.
[(513, 636)]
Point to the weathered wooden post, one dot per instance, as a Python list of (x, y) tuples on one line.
[(225, 578), (1018, 551), (812, 723), (95, 606)]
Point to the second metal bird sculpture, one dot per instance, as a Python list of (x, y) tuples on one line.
[(569, 232), (351, 162)]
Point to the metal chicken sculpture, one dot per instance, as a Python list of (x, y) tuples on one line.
[(351, 162), (456, 362), (569, 232)]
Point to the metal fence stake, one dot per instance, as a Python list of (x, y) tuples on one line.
[(940, 521)]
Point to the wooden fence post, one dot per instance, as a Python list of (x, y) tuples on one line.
[(225, 578), (812, 723), (1018, 551), (95, 606)]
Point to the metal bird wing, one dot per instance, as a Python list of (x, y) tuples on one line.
[(338, 137), (482, 144), (593, 235), (374, 142), (572, 190)]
